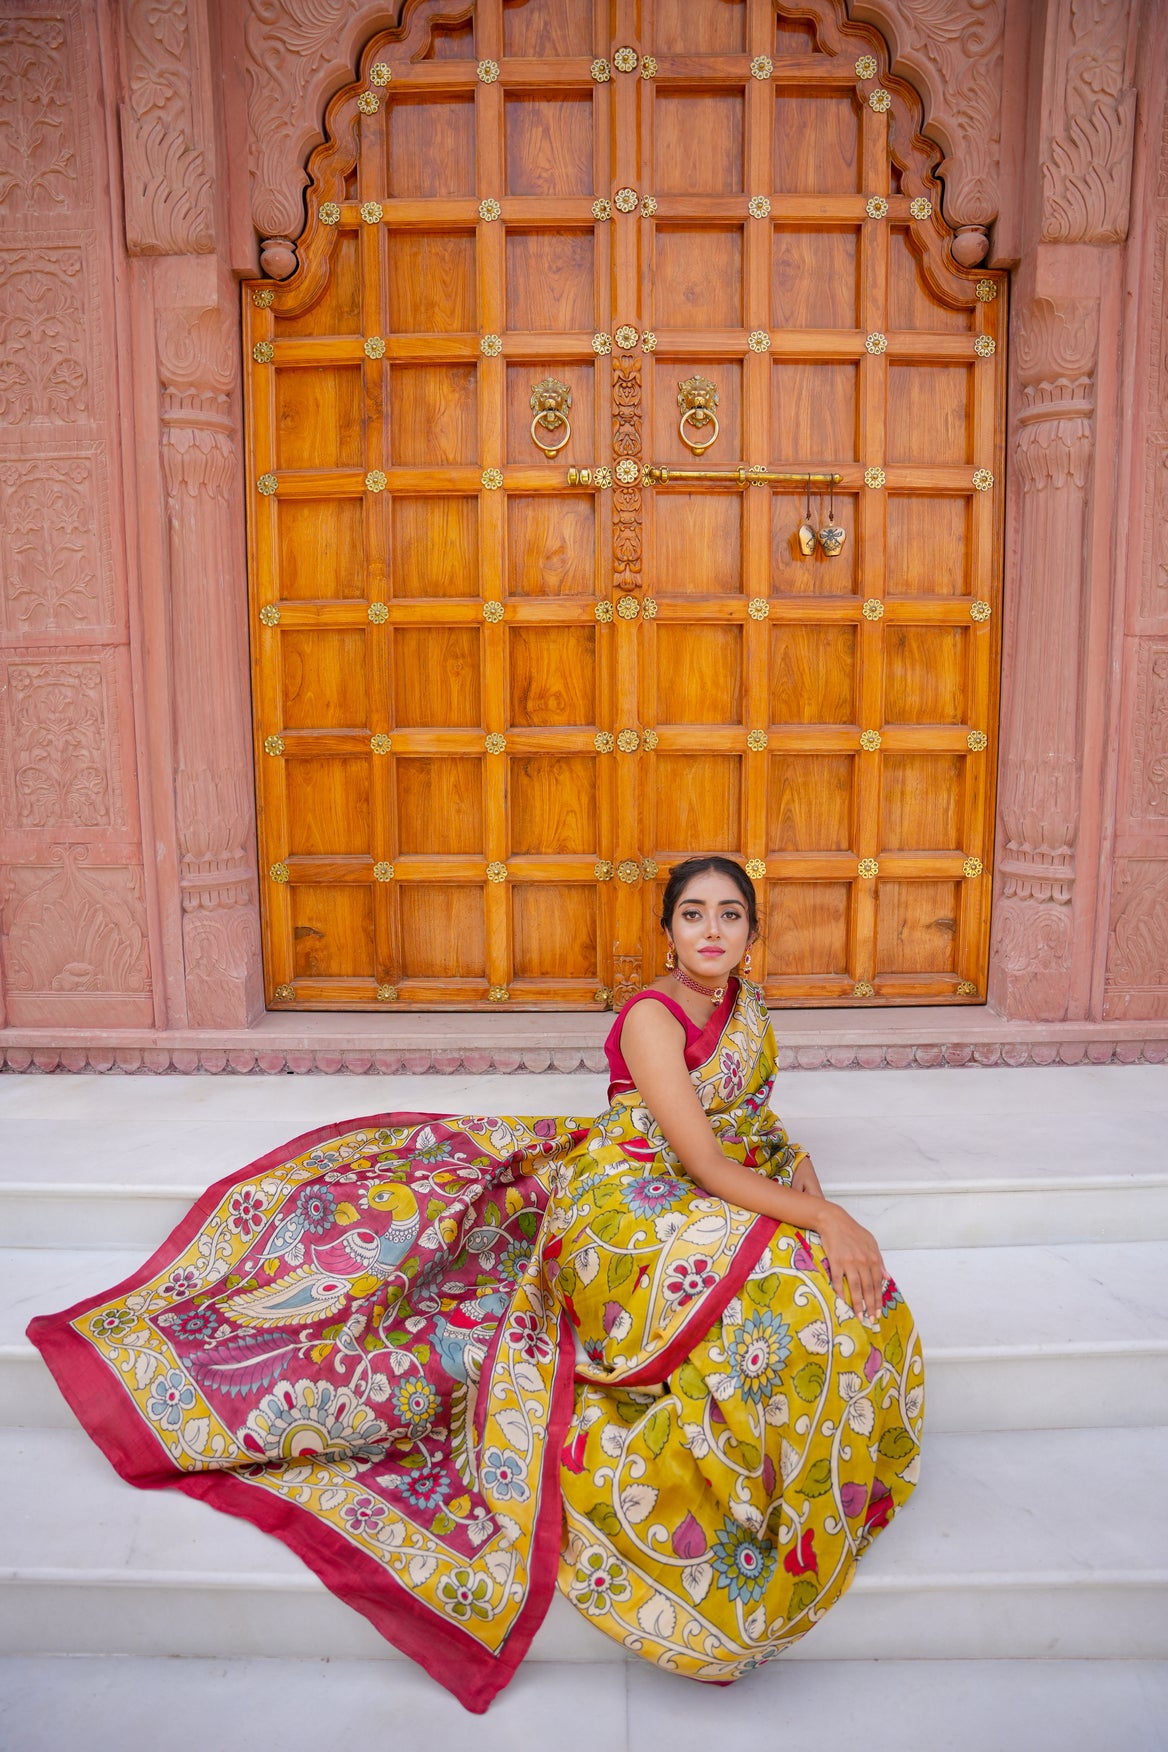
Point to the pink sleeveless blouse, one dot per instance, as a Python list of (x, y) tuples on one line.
[(699, 1042)]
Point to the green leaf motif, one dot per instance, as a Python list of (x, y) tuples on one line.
[(808, 1382), (803, 1594), (527, 1223), (620, 1269), (491, 1215), (627, 1409), (749, 1456), (443, 1523), (817, 1481), (422, 1352), (607, 1227), (691, 1383), (435, 1208), (897, 1444), (604, 1516), (566, 1282), (894, 1351), (762, 1291), (657, 1430)]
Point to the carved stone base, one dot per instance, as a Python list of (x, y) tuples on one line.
[(224, 977)]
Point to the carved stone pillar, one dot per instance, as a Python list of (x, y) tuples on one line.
[(1055, 347), (213, 796), (1060, 583)]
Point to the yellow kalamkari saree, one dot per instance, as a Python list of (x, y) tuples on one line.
[(451, 1361)]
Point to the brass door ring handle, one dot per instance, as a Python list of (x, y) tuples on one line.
[(551, 419), (549, 402), (701, 418), (697, 398)]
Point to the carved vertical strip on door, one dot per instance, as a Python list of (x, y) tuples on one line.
[(491, 244), (758, 448), (624, 370), (875, 179)]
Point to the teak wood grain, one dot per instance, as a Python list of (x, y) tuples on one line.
[(441, 670)]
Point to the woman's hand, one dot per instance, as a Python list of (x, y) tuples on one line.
[(805, 1179), (854, 1259)]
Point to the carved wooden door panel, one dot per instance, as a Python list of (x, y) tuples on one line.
[(499, 691), (433, 680), (827, 716)]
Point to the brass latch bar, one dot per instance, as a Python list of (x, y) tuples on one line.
[(743, 477)]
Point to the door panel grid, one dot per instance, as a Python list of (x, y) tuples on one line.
[(499, 694)]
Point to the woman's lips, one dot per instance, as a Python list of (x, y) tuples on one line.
[(714, 954)]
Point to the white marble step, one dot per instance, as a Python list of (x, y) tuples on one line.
[(117, 1703), (1016, 1337), (946, 1158), (1018, 1545)]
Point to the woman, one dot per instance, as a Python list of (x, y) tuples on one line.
[(452, 1360)]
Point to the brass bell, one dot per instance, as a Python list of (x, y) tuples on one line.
[(806, 535), (832, 537)]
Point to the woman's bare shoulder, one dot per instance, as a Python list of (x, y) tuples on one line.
[(652, 1022)]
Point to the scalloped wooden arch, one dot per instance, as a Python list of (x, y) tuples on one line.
[(915, 156)]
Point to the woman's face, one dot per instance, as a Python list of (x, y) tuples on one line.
[(711, 928)]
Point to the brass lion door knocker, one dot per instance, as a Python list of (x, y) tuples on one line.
[(697, 398), (550, 401)]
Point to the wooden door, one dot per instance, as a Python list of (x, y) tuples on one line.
[(497, 693)]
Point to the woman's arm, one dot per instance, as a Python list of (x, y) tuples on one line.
[(653, 1044)]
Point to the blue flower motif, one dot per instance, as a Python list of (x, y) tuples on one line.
[(318, 1207), (652, 1194), (170, 1397), (758, 1350), (192, 1323), (427, 1488), (415, 1403), (501, 1473), (742, 1563), (514, 1257), (439, 1152)]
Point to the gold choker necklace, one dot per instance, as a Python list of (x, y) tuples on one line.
[(718, 993)]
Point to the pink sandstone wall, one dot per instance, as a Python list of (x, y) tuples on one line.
[(152, 150)]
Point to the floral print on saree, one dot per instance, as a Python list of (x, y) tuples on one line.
[(447, 1358)]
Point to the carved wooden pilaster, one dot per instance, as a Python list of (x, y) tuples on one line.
[(201, 474), (626, 495), (1042, 768)]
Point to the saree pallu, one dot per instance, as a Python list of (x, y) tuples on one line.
[(452, 1361)]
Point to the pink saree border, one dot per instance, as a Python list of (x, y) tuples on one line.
[(451, 1657)]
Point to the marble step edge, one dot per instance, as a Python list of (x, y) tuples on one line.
[(1040, 1350), (261, 1582), (1107, 1614), (905, 1214), (566, 1042), (1010, 1184), (994, 1389)]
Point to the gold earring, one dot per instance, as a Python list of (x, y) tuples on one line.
[(670, 959), (746, 963)]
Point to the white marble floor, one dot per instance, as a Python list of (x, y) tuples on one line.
[(128, 1704)]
